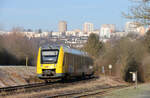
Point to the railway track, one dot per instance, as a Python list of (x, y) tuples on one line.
[(41, 86), (21, 88), (87, 93), (13, 88)]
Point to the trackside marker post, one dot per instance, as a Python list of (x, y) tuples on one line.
[(103, 71), (110, 67), (134, 78)]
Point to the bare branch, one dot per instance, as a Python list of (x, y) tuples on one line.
[(140, 12)]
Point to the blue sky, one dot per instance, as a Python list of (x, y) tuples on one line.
[(46, 14)]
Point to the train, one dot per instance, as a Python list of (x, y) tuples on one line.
[(58, 61)]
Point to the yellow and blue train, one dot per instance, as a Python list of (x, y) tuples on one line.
[(61, 61)]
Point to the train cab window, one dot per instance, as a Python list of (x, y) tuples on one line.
[(49, 56)]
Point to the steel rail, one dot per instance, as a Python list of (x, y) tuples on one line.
[(99, 91), (79, 94), (40, 86), (13, 88)]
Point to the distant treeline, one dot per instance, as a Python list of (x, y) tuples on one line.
[(16, 47)]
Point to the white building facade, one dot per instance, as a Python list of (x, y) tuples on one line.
[(134, 28), (106, 30), (88, 27)]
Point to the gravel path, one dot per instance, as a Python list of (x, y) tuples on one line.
[(143, 91)]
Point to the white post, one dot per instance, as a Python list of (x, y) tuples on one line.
[(103, 71), (135, 78), (136, 84)]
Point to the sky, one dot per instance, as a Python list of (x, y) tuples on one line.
[(45, 14)]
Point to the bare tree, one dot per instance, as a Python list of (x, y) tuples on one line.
[(20, 47), (93, 46), (139, 11)]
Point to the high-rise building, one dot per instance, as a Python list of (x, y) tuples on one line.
[(88, 27), (62, 26), (106, 30)]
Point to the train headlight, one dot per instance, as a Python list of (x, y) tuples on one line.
[(41, 65), (55, 65)]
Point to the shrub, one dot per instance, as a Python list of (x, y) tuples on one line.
[(126, 55), (93, 46)]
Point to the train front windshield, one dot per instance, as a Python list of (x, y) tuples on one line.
[(49, 56)]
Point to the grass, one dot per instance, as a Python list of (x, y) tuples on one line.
[(143, 91)]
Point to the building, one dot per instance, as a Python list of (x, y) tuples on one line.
[(141, 30), (62, 26), (56, 34), (2, 32), (131, 27), (71, 33), (106, 30), (88, 27), (134, 28), (118, 35), (44, 34)]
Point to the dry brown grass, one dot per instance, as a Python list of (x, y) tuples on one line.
[(92, 84), (33, 79), (17, 75)]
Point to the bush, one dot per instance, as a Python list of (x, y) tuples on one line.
[(126, 55), (93, 46)]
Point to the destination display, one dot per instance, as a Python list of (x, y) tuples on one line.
[(49, 53)]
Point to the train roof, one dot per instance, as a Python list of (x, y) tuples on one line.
[(66, 49), (74, 51)]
